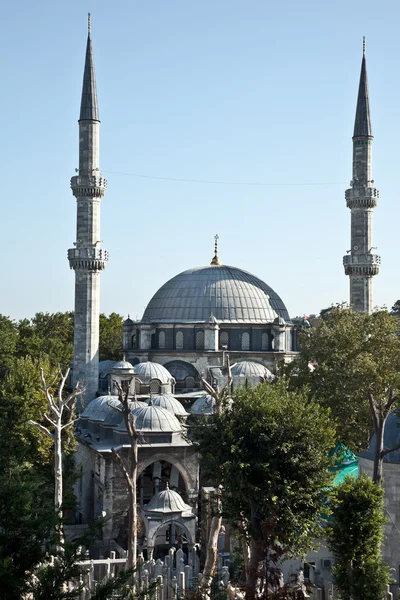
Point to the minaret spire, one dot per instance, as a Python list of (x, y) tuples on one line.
[(87, 258), (362, 124), (89, 104), (360, 264)]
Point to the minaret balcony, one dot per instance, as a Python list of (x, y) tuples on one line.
[(87, 258), (361, 264), (361, 197), (90, 186)]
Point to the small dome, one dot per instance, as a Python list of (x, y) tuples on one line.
[(248, 368), (391, 438), (154, 419), (105, 366), (133, 404), (146, 371), (122, 365), (170, 403), (167, 501), (203, 406), (99, 409), (129, 322)]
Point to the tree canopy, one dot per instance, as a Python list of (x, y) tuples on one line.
[(347, 358), (355, 537), (269, 451)]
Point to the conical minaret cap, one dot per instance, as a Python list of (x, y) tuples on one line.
[(362, 124), (89, 104)]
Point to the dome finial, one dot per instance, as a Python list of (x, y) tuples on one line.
[(216, 260)]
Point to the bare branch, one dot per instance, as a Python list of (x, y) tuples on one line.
[(373, 410), (61, 386), (392, 399), (41, 428), (70, 422), (115, 407), (387, 451), (50, 420)]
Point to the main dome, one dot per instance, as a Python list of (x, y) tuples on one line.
[(231, 294)]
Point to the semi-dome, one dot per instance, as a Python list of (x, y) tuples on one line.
[(170, 403), (146, 371), (249, 368), (154, 419), (167, 501), (203, 406), (229, 293), (99, 408)]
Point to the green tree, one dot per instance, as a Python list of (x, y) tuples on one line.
[(48, 337), (351, 363), (395, 310), (355, 538), (26, 526), (111, 337), (269, 450), (8, 342)]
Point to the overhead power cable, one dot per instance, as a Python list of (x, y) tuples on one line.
[(211, 182)]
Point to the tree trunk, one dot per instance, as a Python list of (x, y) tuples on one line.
[(378, 458), (130, 529), (211, 559), (58, 474), (257, 552), (134, 460), (246, 556)]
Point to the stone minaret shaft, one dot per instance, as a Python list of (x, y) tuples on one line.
[(87, 258), (360, 264)]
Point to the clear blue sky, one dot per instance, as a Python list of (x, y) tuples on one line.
[(250, 91)]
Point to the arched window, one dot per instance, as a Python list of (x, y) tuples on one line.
[(134, 341), (245, 341), (155, 386), (138, 385), (200, 340), (161, 340), (224, 339), (264, 340), (179, 340)]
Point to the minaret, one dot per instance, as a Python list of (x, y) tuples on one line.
[(360, 264), (87, 258)]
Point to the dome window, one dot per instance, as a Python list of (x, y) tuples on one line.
[(245, 341), (155, 386), (200, 340), (224, 339), (264, 340), (134, 341), (189, 382), (161, 340), (179, 340)]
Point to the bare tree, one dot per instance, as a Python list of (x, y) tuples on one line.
[(129, 468), (57, 406), (221, 397)]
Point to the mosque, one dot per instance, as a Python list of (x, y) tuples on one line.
[(188, 329)]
